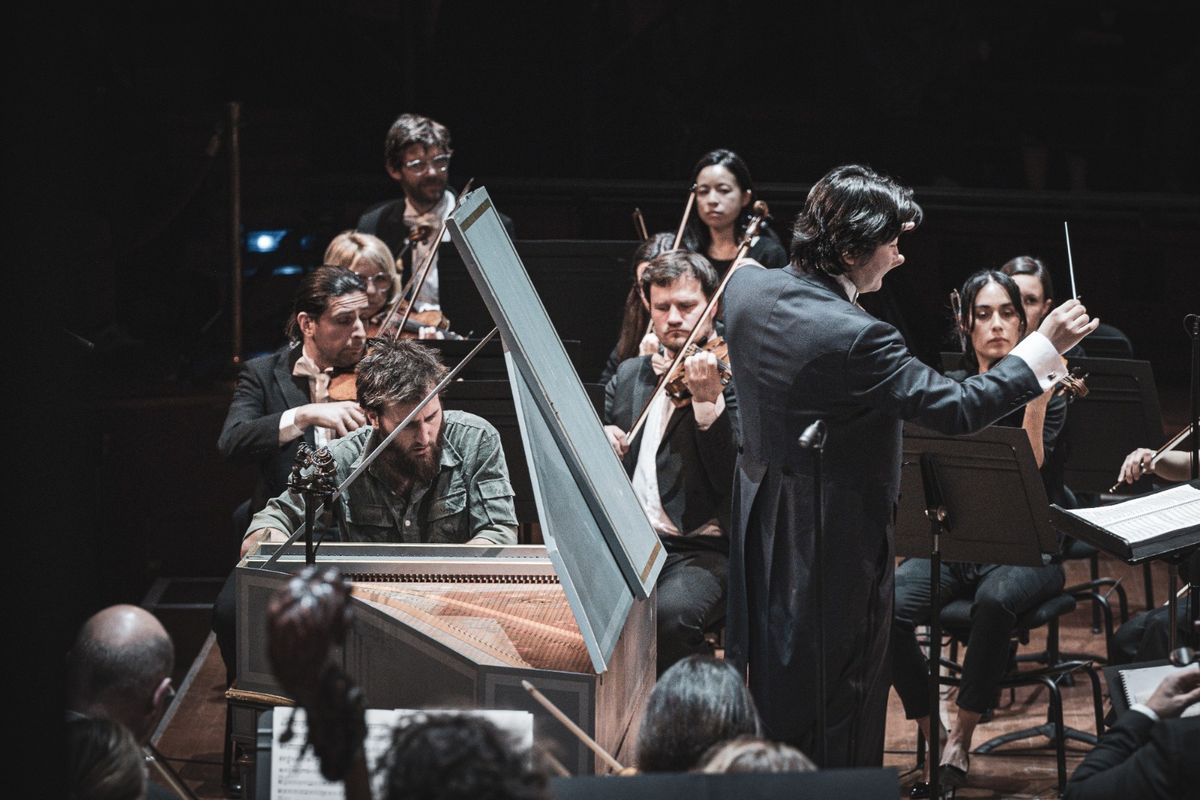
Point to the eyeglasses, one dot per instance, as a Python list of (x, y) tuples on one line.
[(439, 163), (381, 280)]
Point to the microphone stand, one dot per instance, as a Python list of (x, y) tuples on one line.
[(813, 439)]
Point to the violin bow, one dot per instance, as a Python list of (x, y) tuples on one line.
[(639, 224), (752, 228), (1170, 445), (404, 423), (429, 260), (956, 309), (572, 727), (687, 212)]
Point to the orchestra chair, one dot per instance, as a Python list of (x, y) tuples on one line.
[(1053, 674)]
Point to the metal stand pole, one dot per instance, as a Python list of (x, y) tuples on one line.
[(235, 228), (935, 511), (813, 439)]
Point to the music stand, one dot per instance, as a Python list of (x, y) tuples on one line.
[(1120, 413), (1179, 534), (976, 499)]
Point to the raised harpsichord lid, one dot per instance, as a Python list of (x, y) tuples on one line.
[(603, 548)]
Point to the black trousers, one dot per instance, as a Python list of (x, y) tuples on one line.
[(1000, 594), (691, 595)]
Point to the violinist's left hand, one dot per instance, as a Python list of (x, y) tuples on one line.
[(430, 332), (703, 377)]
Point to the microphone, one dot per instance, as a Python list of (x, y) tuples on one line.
[(813, 437)]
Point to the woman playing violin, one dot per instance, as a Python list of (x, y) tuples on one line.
[(369, 258), (724, 194)]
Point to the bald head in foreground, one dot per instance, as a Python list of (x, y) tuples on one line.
[(120, 669)]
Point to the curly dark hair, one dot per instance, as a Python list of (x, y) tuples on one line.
[(396, 371), (452, 756), (848, 213), (698, 702)]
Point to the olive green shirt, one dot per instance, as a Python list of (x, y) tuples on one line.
[(470, 495)]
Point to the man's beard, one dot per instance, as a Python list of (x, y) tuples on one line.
[(427, 192), (403, 467)]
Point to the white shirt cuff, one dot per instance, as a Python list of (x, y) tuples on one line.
[(1041, 357), (1145, 709), (707, 413), (288, 430)]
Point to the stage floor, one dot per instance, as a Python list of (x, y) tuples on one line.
[(192, 736)]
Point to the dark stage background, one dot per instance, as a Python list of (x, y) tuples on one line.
[(1008, 118)]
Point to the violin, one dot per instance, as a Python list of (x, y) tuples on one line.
[(1072, 384), (677, 386), (418, 235), (752, 228)]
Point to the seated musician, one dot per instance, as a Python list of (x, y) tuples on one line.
[(416, 156), (724, 197), (635, 339), (993, 320), (443, 479), (682, 462), (370, 259), (1037, 292), (280, 398)]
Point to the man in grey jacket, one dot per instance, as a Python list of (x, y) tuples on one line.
[(442, 480)]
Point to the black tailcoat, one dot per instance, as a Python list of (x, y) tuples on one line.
[(800, 351)]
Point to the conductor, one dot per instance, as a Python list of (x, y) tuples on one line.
[(805, 350)]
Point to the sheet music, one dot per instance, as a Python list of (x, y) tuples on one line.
[(1139, 684), (293, 776), (1145, 517)]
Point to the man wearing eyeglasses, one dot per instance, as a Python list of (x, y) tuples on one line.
[(417, 156)]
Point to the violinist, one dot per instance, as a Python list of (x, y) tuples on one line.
[(370, 259), (724, 196), (993, 321), (416, 156), (280, 401), (635, 338), (280, 398), (681, 464)]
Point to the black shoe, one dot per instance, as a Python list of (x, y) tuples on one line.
[(920, 791)]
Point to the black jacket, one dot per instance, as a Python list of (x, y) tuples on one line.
[(802, 352), (265, 389), (1141, 758), (695, 467)]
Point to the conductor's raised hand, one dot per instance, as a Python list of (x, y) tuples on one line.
[(1066, 325)]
